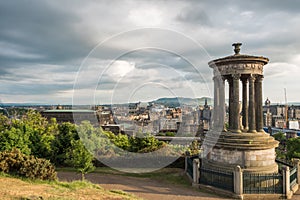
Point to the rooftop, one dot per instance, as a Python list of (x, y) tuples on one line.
[(68, 111)]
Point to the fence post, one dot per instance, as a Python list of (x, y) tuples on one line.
[(238, 180), (185, 163), (196, 165), (297, 162), (286, 181)]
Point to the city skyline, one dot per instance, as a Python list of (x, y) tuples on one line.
[(44, 45)]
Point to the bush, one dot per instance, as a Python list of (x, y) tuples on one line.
[(170, 134), (16, 163)]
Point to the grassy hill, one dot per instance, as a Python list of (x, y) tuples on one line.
[(177, 101), (24, 189)]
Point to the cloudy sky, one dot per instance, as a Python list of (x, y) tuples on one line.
[(124, 51)]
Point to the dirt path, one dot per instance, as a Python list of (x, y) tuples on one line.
[(142, 187)]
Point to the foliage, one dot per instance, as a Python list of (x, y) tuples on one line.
[(32, 134), (14, 138), (293, 148), (144, 143), (41, 133), (279, 136), (4, 122), (170, 134), (15, 162), (122, 141), (194, 148), (62, 142), (281, 149), (79, 158)]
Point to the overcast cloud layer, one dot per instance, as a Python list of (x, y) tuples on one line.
[(44, 45)]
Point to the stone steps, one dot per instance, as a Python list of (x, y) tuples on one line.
[(240, 140)]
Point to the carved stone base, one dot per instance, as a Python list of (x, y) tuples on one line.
[(253, 152)]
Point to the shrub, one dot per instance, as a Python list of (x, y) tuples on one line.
[(170, 134), (16, 163)]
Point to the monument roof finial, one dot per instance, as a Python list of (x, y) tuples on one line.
[(237, 48)]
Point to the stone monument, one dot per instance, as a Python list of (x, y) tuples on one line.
[(244, 141)]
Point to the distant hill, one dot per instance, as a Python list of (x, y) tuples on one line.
[(177, 101)]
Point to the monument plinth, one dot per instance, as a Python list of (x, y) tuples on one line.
[(244, 141)]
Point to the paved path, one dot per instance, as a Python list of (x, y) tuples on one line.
[(296, 196), (145, 188)]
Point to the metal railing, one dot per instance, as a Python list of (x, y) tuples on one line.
[(189, 168), (262, 183), (217, 178), (293, 177), (285, 162)]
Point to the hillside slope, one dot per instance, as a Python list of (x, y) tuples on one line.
[(13, 188)]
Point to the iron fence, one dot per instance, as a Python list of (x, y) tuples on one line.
[(190, 166), (293, 177), (217, 178), (262, 183)]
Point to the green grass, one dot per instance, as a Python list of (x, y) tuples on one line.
[(13, 187)]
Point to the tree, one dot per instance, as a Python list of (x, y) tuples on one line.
[(62, 143), (293, 148), (194, 148), (279, 136), (79, 158), (281, 149), (4, 122), (41, 133), (144, 143), (14, 138)]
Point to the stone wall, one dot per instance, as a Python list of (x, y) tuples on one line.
[(246, 159)]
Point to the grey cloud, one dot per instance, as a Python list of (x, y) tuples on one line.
[(57, 35), (33, 89), (40, 28), (194, 14)]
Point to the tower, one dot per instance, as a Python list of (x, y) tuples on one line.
[(244, 143)]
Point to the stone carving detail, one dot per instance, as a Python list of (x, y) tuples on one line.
[(258, 78), (256, 68), (236, 76)]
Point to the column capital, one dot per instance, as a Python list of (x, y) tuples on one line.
[(229, 80), (252, 77), (259, 78), (217, 77), (244, 80), (223, 78), (236, 76)]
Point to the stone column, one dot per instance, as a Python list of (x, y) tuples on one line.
[(219, 103), (252, 121), (245, 105), (235, 104), (258, 101), (216, 102), (222, 102), (230, 102)]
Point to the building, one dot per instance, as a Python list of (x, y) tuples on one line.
[(73, 116), (275, 115)]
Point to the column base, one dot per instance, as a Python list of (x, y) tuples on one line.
[(246, 129)]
